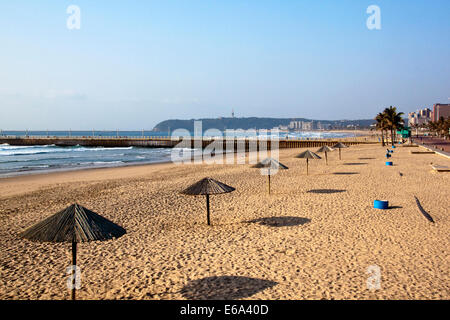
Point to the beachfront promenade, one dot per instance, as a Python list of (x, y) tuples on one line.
[(435, 143), (167, 142)]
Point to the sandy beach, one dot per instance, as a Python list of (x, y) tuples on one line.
[(314, 237)]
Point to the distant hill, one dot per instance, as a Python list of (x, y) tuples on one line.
[(255, 123)]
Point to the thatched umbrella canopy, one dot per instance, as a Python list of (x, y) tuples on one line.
[(325, 149), (270, 163), (339, 146), (308, 155), (207, 186), (74, 224)]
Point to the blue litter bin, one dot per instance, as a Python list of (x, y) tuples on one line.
[(381, 204), (389, 163)]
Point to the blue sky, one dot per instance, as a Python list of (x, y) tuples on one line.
[(135, 63)]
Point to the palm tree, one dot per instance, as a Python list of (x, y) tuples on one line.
[(416, 126), (393, 120), (381, 125), (441, 126), (447, 128), (432, 127), (423, 126)]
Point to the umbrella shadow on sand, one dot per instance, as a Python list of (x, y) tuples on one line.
[(281, 221), (395, 207), (326, 191), (224, 288), (345, 173), (355, 163)]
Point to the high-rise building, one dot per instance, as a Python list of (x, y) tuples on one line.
[(440, 110), (306, 125), (303, 125), (419, 117), (296, 125)]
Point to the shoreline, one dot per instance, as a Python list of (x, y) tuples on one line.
[(16, 185), (94, 174), (75, 169), (122, 163)]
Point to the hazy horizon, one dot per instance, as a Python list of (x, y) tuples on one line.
[(134, 64)]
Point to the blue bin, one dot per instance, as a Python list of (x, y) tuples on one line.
[(393, 147), (389, 163), (381, 204)]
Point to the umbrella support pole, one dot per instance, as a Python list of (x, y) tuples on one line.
[(269, 181), (74, 267), (326, 157), (307, 166), (339, 153), (207, 209)]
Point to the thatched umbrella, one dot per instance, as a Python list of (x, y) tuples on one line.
[(339, 146), (270, 163), (206, 187), (73, 224), (325, 149), (308, 155)]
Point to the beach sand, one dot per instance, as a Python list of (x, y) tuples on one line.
[(314, 237)]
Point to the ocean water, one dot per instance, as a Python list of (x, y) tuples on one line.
[(18, 160)]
